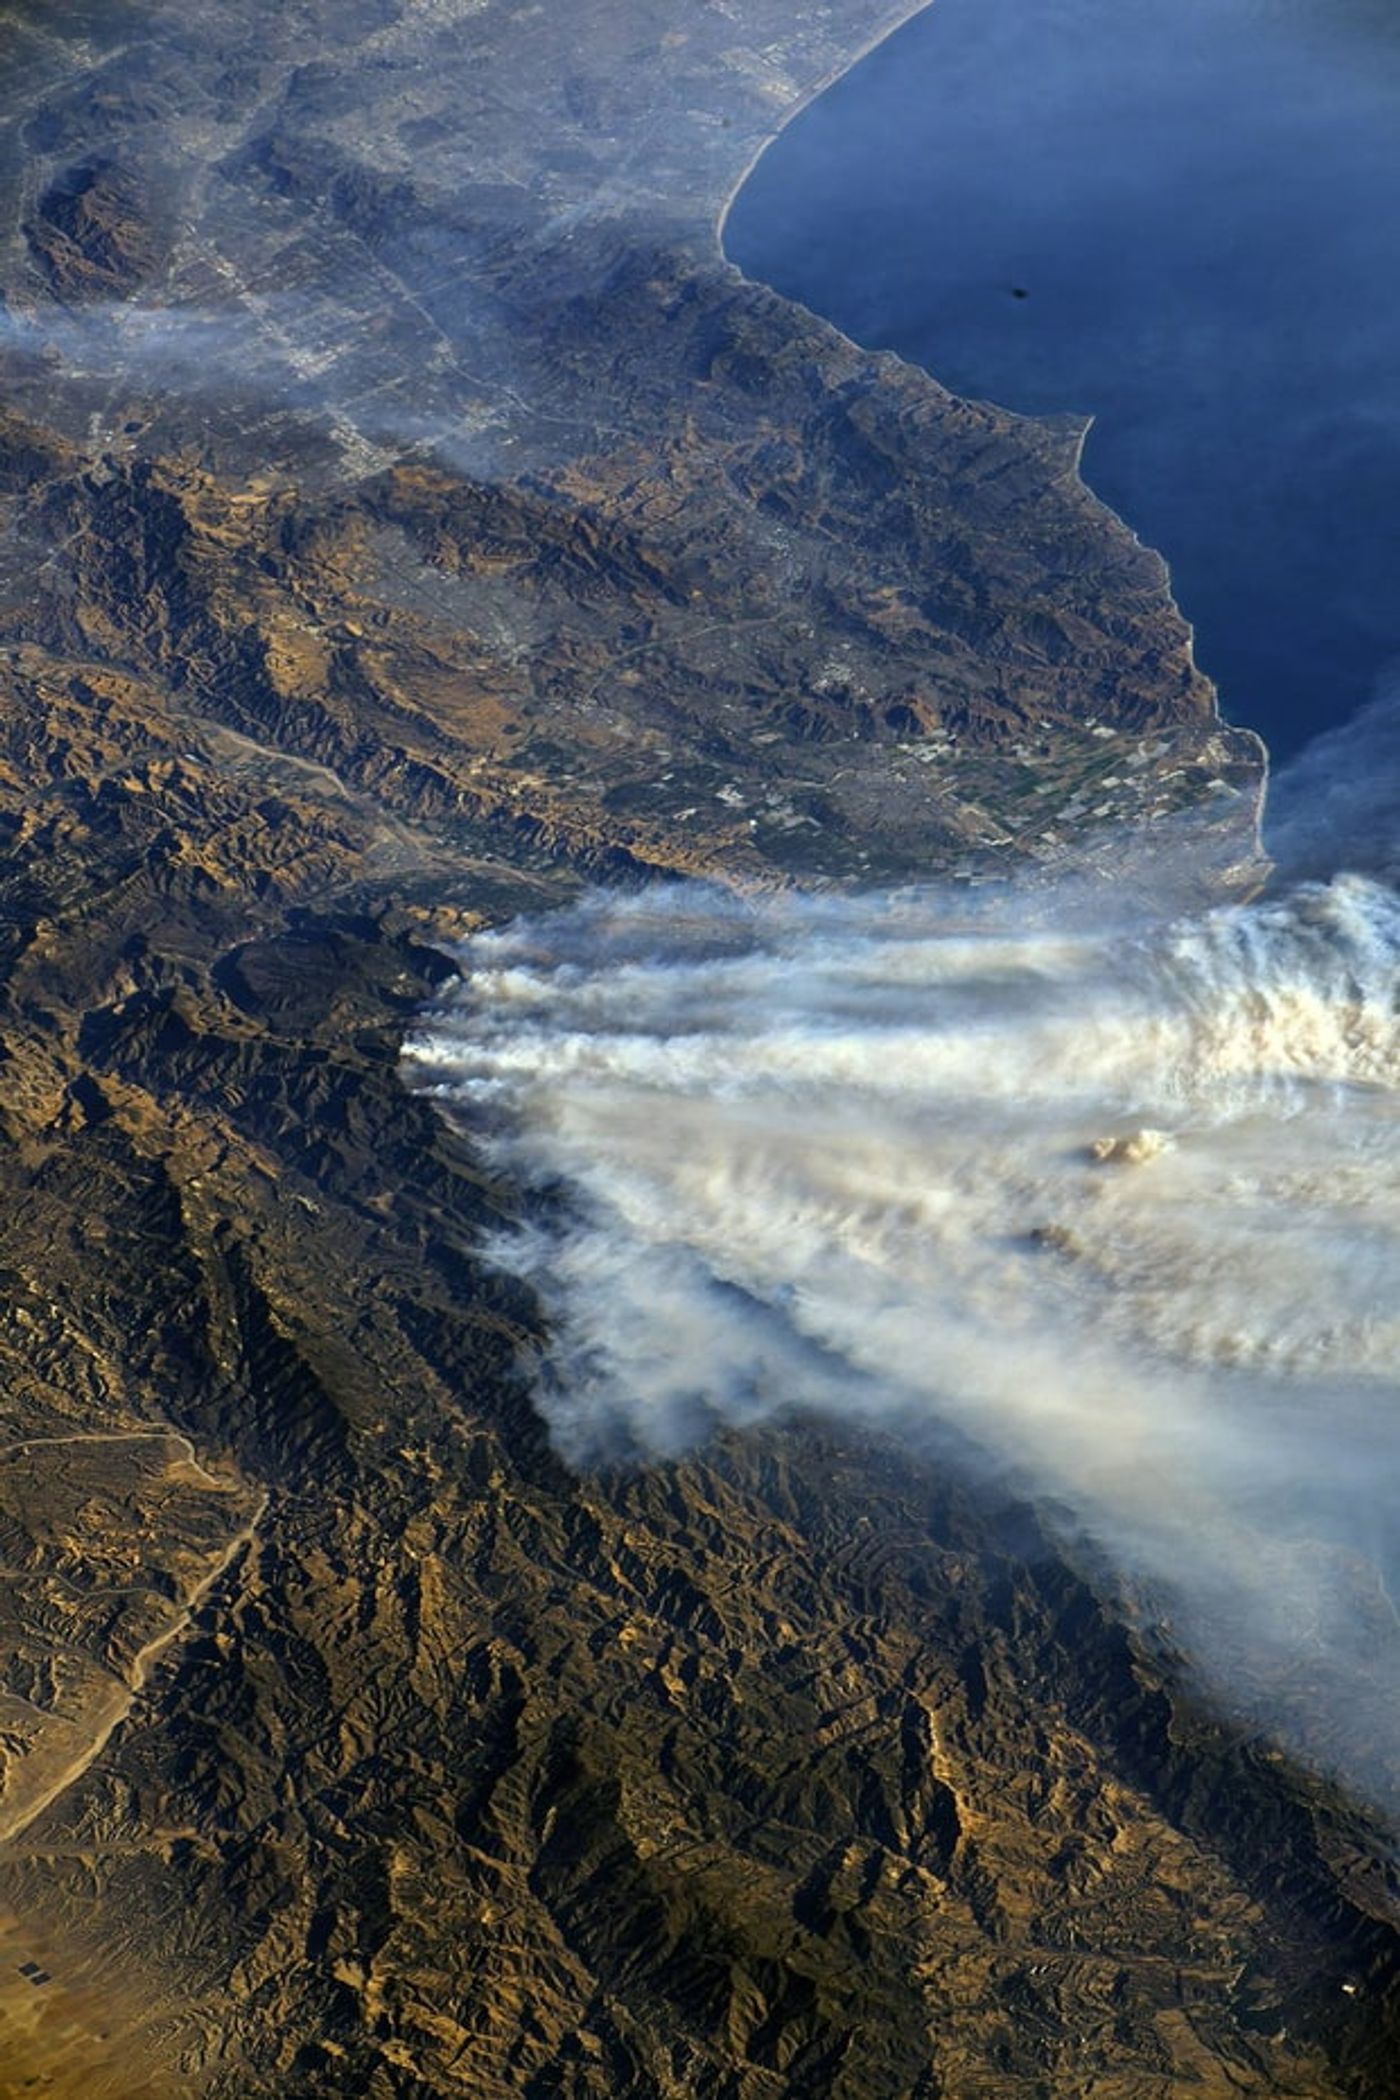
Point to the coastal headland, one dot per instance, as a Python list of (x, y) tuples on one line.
[(406, 517)]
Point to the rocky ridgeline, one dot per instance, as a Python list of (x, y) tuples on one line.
[(404, 518)]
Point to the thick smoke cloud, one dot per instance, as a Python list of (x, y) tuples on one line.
[(1121, 1204)]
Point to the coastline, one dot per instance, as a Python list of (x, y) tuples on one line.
[(790, 116), (804, 102), (662, 585)]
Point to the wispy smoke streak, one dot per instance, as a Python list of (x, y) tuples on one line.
[(1341, 796), (1122, 1205)]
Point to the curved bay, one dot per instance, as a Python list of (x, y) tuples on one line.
[(1184, 222)]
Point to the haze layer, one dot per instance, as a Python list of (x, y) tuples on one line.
[(1119, 1204)]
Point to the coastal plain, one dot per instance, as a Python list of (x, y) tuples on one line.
[(407, 517)]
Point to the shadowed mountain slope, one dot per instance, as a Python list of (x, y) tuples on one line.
[(405, 516)]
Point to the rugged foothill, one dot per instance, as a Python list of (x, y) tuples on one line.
[(407, 517)]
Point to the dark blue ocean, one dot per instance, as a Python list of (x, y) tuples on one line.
[(1181, 219)]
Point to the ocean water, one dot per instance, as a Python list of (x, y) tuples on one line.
[(1182, 220)]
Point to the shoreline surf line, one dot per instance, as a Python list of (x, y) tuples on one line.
[(789, 117)]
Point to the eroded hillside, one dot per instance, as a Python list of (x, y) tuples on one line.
[(405, 517)]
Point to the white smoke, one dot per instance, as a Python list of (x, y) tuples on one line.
[(1341, 795), (1121, 1205)]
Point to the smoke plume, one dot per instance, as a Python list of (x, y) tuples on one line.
[(1341, 796), (1118, 1203)]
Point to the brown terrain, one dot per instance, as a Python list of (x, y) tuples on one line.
[(405, 517)]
